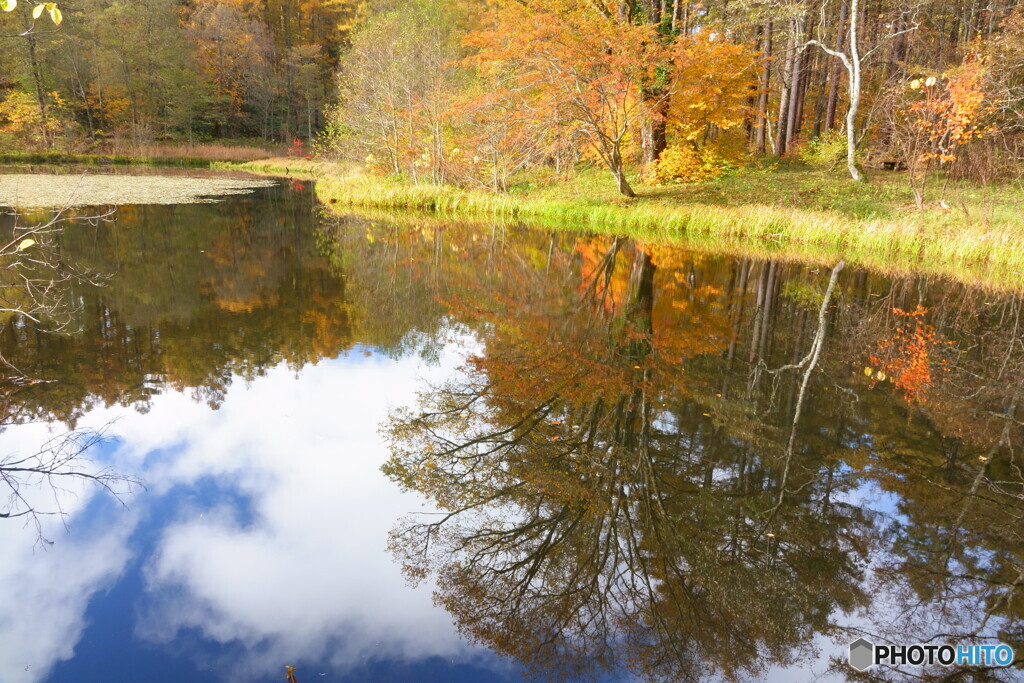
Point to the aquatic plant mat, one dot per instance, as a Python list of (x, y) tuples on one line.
[(46, 191)]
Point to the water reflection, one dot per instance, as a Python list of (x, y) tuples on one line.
[(599, 429), (615, 460)]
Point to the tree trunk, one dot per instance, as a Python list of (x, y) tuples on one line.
[(40, 99), (652, 132), (624, 188), (615, 165), (851, 115), (819, 98), (85, 98), (833, 91), (764, 84), (793, 112), (782, 124), (654, 139)]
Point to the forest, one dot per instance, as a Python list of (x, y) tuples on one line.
[(482, 93), (165, 70)]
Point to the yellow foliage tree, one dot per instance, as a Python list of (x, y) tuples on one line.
[(712, 81)]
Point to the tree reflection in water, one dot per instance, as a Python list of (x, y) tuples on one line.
[(620, 483)]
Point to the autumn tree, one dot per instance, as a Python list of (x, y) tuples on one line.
[(29, 27), (234, 52), (933, 117), (709, 102), (396, 89), (576, 62)]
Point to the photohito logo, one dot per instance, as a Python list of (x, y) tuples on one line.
[(864, 654)]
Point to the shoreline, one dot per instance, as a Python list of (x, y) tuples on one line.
[(991, 257)]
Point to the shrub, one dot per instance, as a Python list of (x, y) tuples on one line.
[(827, 151), (684, 164)]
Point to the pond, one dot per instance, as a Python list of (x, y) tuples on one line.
[(407, 448)]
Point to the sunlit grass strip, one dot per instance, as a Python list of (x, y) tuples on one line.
[(991, 257), (292, 167)]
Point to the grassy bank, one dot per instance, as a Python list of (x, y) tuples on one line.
[(291, 167), (787, 213)]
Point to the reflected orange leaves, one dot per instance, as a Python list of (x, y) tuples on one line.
[(906, 357)]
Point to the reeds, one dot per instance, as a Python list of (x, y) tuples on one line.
[(199, 152)]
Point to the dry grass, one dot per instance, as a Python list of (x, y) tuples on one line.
[(205, 152), (194, 155)]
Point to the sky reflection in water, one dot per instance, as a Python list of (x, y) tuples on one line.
[(260, 542)]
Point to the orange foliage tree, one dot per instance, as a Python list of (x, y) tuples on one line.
[(942, 115), (575, 62), (950, 115)]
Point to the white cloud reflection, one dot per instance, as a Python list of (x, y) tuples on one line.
[(42, 611), (303, 574)]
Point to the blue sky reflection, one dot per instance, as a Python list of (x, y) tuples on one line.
[(260, 542)]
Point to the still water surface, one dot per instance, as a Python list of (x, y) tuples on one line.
[(406, 449)]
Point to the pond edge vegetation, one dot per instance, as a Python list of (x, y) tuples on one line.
[(988, 256)]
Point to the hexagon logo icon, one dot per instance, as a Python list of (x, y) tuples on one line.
[(862, 654)]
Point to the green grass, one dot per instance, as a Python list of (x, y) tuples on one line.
[(789, 211), (291, 167), (886, 195)]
